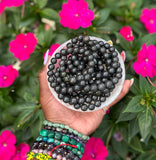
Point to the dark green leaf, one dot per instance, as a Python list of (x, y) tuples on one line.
[(103, 15), (126, 116), (136, 145), (133, 128), (144, 85), (109, 26), (124, 44), (90, 3), (145, 123), (41, 3), (120, 147), (50, 14), (135, 87), (134, 105), (148, 39)]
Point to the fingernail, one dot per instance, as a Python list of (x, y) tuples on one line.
[(110, 42), (46, 57), (132, 81), (123, 55)]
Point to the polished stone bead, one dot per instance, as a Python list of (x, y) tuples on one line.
[(43, 133), (78, 146), (72, 141), (51, 134), (57, 136), (65, 138), (39, 138), (45, 139), (74, 150), (50, 140)]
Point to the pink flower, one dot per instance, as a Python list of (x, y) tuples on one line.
[(118, 136), (145, 64), (52, 49), (14, 3), (108, 110), (2, 6), (23, 46), (10, 3), (148, 17), (94, 150), (127, 33), (7, 145), (75, 14), (7, 75), (21, 152)]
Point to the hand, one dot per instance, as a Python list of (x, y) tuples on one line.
[(84, 122)]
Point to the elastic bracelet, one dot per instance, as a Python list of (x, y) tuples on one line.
[(47, 134), (84, 137), (38, 156)]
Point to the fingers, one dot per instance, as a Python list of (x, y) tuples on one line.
[(123, 55), (125, 89), (43, 76)]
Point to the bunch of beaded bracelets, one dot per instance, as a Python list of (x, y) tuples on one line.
[(65, 142)]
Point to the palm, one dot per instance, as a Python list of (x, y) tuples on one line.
[(84, 122)]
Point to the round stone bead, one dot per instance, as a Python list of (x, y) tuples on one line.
[(57, 136), (43, 133), (84, 107), (65, 138)]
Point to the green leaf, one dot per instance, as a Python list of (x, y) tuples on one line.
[(110, 26), (135, 87), (103, 15), (133, 128), (126, 117), (90, 3), (120, 147), (136, 145), (145, 123), (124, 44), (134, 105), (144, 85), (148, 39), (50, 14), (41, 3)]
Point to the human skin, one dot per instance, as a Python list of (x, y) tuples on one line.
[(84, 122)]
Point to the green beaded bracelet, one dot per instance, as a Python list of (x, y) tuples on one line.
[(84, 137)]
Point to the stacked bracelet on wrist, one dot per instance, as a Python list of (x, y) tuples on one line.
[(60, 142)]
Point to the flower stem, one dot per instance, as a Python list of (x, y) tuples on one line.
[(109, 136), (131, 62), (23, 10), (149, 80)]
